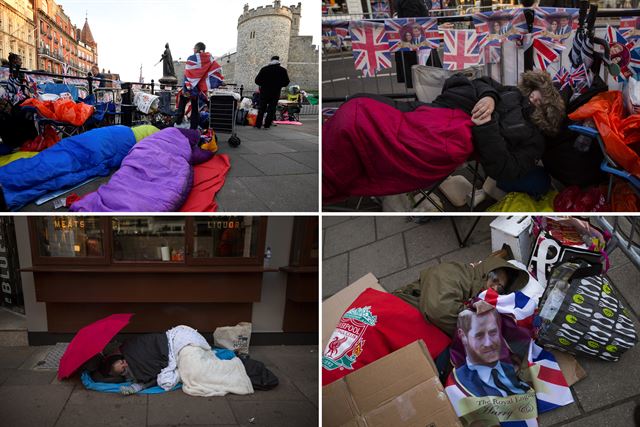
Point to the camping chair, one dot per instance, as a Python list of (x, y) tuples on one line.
[(608, 165)]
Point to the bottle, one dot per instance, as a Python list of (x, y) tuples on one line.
[(267, 256)]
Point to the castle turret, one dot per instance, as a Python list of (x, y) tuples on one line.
[(295, 25)]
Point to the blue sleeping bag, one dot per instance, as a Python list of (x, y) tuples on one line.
[(90, 384), (71, 161)]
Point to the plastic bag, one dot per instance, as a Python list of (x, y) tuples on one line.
[(63, 110), (234, 338), (621, 135), (573, 199), (251, 117), (522, 202)]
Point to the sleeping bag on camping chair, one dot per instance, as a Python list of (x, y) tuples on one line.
[(156, 175), (371, 148), (71, 161)]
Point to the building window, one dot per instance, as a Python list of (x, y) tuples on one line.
[(148, 238), (69, 236), (226, 236)]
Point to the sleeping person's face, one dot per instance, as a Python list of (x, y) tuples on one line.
[(119, 367), (497, 280), (535, 97)]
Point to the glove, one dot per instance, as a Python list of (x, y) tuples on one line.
[(127, 390)]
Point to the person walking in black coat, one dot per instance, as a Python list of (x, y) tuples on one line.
[(271, 79)]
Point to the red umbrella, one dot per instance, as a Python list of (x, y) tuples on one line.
[(90, 341)]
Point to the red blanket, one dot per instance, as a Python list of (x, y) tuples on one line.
[(208, 179), (372, 149)]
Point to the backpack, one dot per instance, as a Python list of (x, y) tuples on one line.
[(261, 377)]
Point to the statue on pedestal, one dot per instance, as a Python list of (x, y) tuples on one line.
[(168, 72)]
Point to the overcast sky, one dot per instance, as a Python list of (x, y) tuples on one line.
[(134, 32)]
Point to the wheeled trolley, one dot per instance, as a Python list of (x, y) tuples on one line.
[(223, 107)]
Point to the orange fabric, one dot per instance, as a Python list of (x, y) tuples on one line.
[(623, 198), (48, 138), (208, 179), (62, 110), (621, 135)]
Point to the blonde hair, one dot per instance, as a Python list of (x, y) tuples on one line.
[(548, 117)]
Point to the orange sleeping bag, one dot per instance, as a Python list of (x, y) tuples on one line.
[(62, 110), (621, 135)]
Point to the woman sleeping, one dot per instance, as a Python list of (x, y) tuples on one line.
[(375, 146)]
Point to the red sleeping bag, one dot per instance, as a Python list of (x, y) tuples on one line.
[(370, 148), (376, 324)]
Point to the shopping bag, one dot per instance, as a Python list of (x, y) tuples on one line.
[(559, 240), (234, 338), (428, 81), (581, 314)]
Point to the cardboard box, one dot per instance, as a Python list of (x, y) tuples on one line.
[(400, 389), (514, 231)]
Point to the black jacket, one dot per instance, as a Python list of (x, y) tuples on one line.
[(509, 145), (410, 8), (146, 355), (271, 79)]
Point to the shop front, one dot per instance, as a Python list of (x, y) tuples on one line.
[(204, 272)]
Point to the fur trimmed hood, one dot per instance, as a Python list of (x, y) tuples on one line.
[(548, 117)]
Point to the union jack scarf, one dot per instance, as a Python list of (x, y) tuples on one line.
[(370, 47), (517, 311), (203, 72)]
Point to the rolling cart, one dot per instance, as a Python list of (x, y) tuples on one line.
[(223, 107)]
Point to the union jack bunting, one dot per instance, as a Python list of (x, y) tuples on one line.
[(579, 79), (545, 52), (380, 9), (630, 28), (497, 26), (561, 77), (334, 34), (370, 47), (553, 19), (407, 34), (461, 49)]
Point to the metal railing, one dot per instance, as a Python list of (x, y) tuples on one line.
[(625, 233)]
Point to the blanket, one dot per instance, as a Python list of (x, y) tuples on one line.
[(71, 161), (178, 338), (370, 148), (156, 176), (208, 179), (203, 374)]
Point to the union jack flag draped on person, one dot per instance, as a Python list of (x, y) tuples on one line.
[(203, 72), (461, 49), (630, 28), (545, 52), (370, 47), (561, 77), (429, 39), (380, 9)]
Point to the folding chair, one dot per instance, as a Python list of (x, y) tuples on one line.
[(608, 165)]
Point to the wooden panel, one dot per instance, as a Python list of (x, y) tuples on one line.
[(147, 287), (300, 317), (64, 317), (302, 287)]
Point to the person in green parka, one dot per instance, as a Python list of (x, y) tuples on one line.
[(441, 291)]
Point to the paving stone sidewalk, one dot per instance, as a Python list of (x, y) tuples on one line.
[(271, 170), (35, 398), (395, 250)]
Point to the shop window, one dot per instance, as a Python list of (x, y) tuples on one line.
[(145, 239), (70, 237), (227, 240), (304, 243)]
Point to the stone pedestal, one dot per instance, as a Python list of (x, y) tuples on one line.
[(168, 80)]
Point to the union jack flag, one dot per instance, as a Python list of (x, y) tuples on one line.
[(614, 36), (561, 77), (579, 79), (396, 29), (519, 26), (203, 72), (634, 65), (380, 9), (370, 47), (545, 52), (461, 49), (630, 28), (484, 23), (546, 16)]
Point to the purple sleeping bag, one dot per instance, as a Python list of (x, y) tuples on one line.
[(156, 175)]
